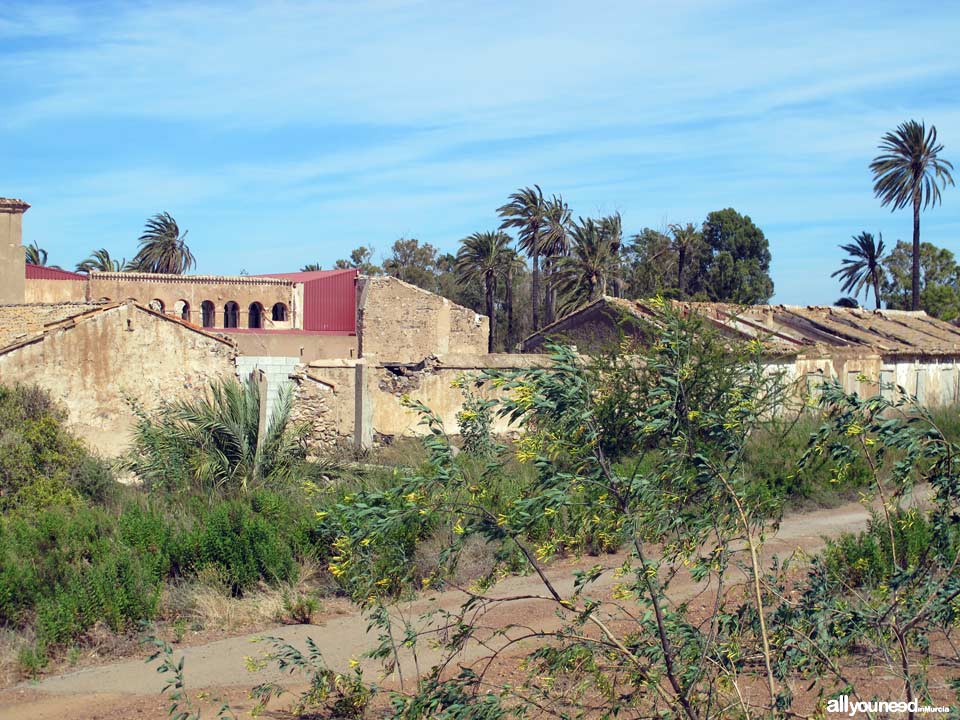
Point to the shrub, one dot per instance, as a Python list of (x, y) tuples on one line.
[(214, 442), (40, 462), (242, 546)]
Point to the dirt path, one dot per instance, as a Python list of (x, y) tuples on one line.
[(131, 688)]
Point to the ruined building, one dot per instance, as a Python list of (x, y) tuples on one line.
[(865, 350)]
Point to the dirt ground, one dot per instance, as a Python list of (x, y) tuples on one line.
[(131, 688)]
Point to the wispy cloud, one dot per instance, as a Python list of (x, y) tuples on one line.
[(334, 123)]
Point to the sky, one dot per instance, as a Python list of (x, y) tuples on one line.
[(282, 133)]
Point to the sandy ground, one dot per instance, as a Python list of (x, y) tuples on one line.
[(131, 688)]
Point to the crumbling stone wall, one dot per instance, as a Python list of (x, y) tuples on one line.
[(314, 402), (401, 323)]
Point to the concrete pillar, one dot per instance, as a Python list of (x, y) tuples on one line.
[(362, 409), (11, 251)]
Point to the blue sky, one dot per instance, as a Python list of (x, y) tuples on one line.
[(281, 133)]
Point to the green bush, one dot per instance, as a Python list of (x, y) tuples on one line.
[(40, 462), (242, 546)]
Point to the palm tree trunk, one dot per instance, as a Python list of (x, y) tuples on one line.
[(549, 293), (535, 288), (681, 257), (511, 339), (876, 289), (488, 281), (915, 279)]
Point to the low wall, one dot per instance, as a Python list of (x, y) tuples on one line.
[(303, 344)]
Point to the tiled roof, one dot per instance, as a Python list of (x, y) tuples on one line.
[(795, 329)]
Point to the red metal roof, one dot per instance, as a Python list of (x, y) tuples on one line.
[(42, 272), (329, 299)]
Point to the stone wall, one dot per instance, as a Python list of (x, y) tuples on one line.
[(314, 402), (173, 291), (107, 359), (400, 323)]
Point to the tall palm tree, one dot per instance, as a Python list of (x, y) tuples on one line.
[(100, 261), (513, 266), (863, 268), (484, 256), (592, 265), (910, 172), (684, 239), (162, 248), (611, 231), (527, 212), (554, 244)]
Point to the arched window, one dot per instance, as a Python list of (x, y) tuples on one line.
[(231, 315), (255, 315), (182, 309), (207, 313), (279, 312), (157, 305)]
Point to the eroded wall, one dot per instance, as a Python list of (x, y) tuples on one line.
[(400, 323), (97, 367)]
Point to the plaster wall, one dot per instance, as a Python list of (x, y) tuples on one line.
[(304, 345), (99, 365), (399, 322), (55, 291), (11, 251)]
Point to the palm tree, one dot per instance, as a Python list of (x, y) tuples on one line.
[(592, 265), (484, 256), (611, 231), (683, 241), (863, 268), (311, 267), (100, 261), (554, 244), (162, 248), (910, 172), (513, 264), (527, 211), (217, 441), (35, 255)]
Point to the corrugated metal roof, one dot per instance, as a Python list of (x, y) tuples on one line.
[(329, 299), (42, 272), (794, 328)]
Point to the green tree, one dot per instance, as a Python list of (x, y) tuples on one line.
[(555, 244), (736, 262), (526, 211), (413, 263), (649, 257), (592, 265), (862, 269), (939, 280), (910, 172), (685, 241), (361, 258), (311, 267), (100, 261), (163, 248), (484, 258)]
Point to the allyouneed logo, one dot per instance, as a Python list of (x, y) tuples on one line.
[(851, 708)]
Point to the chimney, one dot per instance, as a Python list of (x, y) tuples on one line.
[(12, 268)]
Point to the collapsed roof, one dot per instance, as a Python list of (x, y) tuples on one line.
[(784, 329)]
